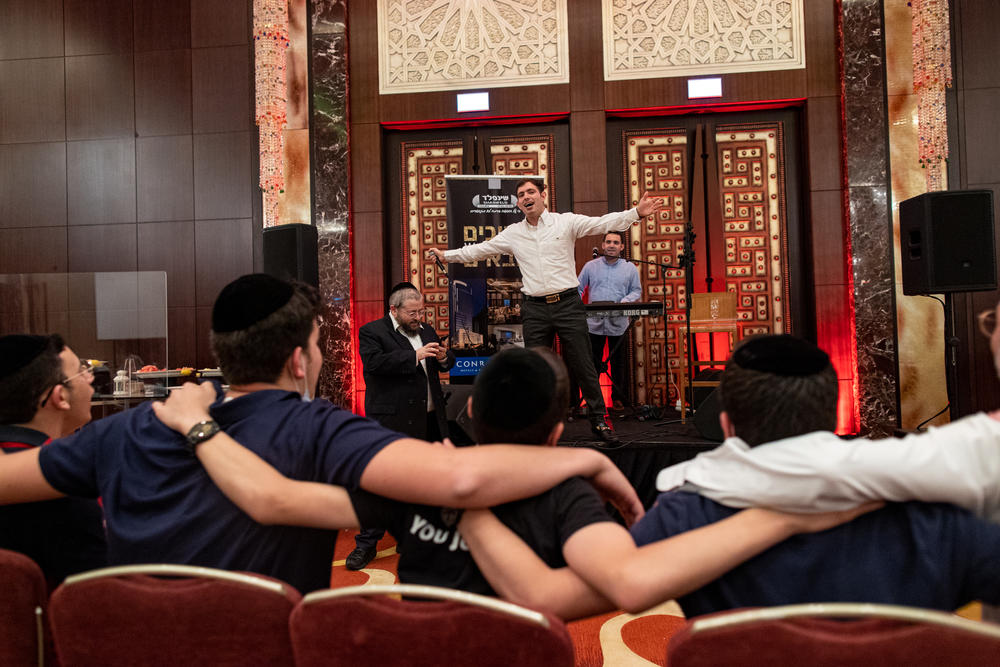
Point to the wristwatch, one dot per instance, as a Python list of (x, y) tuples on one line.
[(199, 433)]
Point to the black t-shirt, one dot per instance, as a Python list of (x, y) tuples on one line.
[(433, 552)]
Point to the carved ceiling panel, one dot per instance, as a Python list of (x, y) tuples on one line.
[(665, 38), (458, 44)]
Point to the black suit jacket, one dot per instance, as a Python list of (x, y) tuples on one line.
[(396, 394)]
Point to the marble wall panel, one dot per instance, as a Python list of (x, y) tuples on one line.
[(919, 319), (869, 228), (328, 51)]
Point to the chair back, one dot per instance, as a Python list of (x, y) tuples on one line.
[(834, 634), (711, 313), (22, 606), (167, 615), (369, 625), (717, 308)]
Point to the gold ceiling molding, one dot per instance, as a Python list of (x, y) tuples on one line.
[(429, 45), (664, 38)]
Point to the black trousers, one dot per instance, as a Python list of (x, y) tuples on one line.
[(369, 537), (615, 366), (566, 317)]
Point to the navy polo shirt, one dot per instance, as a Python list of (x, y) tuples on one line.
[(162, 507), (928, 555)]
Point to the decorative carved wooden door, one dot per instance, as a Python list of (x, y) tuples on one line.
[(728, 175)]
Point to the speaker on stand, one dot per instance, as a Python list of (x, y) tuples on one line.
[(291, 253), (947, 245)]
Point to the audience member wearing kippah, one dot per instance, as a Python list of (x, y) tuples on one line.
[(248, 300), (925, 555), (556, 523), (518, 397), (44, 394), (162, 507), (402, 359)]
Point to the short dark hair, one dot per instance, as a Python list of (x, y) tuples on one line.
[(537, 182), (22, 390), (257, 353), (620, 235), (765, 406), (520, 396)]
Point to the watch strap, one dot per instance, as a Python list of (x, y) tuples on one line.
[(199, 433)]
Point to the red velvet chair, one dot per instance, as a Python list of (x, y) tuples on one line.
[(169, 615), (363, 625), (834, 635), (22, 607)]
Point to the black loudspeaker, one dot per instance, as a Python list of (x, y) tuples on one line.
[(946, 242), (290, 253), (706, 417)]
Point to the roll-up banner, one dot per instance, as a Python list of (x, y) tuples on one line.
[(485, 295)]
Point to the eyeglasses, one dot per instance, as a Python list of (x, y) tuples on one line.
[(987, 322), (410, 313), (86, 370)]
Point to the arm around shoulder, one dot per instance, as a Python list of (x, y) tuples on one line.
[(473, 477), (21, 478)]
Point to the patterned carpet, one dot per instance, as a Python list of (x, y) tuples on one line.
[(616, 638)]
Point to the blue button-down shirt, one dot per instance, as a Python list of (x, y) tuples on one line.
[(618, 282)]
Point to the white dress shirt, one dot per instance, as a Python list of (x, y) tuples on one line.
[(416, 343), (545, 252), (958, 463)]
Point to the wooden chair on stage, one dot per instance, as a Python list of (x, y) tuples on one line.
[(711, 313), (22, 605), (367, 625), (165, 615), (834, 634)]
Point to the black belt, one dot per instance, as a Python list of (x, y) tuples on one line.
[(553, 298)]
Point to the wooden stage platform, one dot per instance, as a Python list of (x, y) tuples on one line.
[(646, 446)]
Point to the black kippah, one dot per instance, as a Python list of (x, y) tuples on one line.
[(19, 350), (247, 300), (780, 354), (526, 381)]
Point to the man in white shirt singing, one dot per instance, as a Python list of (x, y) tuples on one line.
[(543, 243)]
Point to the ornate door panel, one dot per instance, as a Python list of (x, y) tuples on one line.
[(656, 161), (742, 244), (752, 193), (423, 209)]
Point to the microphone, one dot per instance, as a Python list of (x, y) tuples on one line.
[(597, 253), (437, 260)]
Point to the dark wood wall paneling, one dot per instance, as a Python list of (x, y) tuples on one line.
[(127, 143), (589, 98), (974, 166)]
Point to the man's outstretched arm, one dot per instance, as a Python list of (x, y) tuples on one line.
[(21, 479), (252, 483), (416, 471), (406, 469), (607, 571)]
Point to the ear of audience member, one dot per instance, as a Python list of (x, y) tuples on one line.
[(778, 386), (519, 395)]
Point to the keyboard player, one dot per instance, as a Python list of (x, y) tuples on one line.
[(614, 280)]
